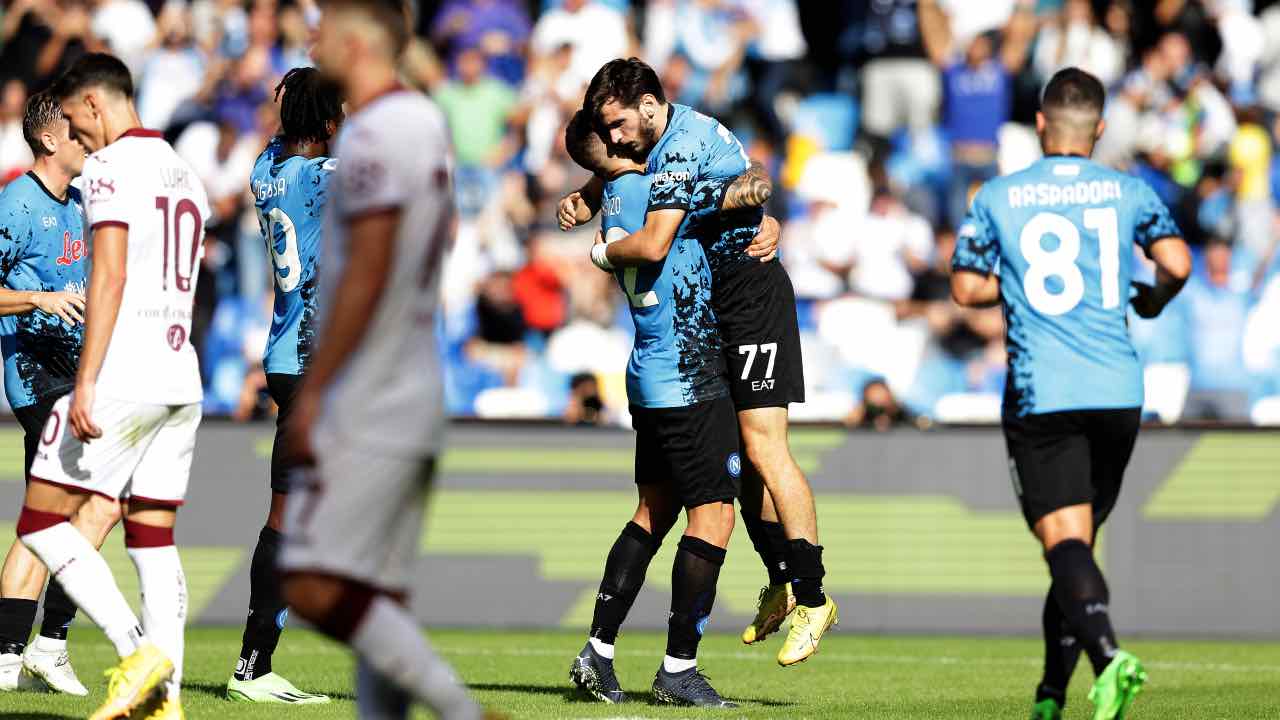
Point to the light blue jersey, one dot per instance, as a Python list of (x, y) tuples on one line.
[(676, 360), (692, 164), (1059, 235), (289, 194), (42, 249)]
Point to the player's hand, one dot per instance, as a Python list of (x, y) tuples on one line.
[(1145, 301), (306, 408), (81, 415), (67, 305), (567, 212), (765, 245)]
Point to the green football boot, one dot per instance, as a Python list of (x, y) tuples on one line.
[(1117, 687), (1046, 709)]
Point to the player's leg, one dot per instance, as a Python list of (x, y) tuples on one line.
[(1112, 434), (1061, 653), (348, 547), (254, 679), (760, 518), (702, 442)]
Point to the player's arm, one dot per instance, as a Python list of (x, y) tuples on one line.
[(106, 289), (935, 32), (1173, 266), (578, 207), (976, 290), (649, 244), (974, 282), (752, 188), (68, 306)]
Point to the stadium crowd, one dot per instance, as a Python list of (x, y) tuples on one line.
[(876, 118)]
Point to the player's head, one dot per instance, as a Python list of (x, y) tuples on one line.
[(353, 32), (310, 106), (626, 97), (48, 134), (587, 149), (96, 93), (1070, 117)]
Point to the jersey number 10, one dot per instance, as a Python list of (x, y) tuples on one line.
[(184, 207), (1061, 261)]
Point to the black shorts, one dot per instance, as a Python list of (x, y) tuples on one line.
[(32, 418), (694, 449), (1069, 458), (283, 389), (756, 311)]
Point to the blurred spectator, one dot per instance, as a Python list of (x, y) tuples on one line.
[(596, 32), (585, 406), (977, 94), (899, 85), (41, 37), (539, 289), (879, 410), (15, 154), (173, 72), (891, 243), (711, 39), (1075, 38), (773, 58), (127, 27), (1250, 158), (1214, 311), (477, 107), (499, 342), (499, 28)]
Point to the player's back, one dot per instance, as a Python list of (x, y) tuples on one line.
[(289, 195), (139, 183), (676, 359), (393, 153), (1060, 234)]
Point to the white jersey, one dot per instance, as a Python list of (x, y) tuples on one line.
[(140, 183), (394, 153)]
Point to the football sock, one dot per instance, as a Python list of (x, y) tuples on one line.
[(59, 611), (805, 561), (693, 592), (624, 572), (267, 611), (164, 591), (770, 543), (389, 640), (1082, 595), (1061, 653), (78, 566), (378, 698), (602, 648), (17, 615), (678, 665)]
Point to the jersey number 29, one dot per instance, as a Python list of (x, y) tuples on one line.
[(1061, 261), (288, 270)]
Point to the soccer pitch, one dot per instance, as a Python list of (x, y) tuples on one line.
[(524, 674)]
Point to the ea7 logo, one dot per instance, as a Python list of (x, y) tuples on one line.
[(102, 188), (758, 385)]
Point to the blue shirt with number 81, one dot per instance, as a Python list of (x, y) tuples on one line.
[(1060, 235)]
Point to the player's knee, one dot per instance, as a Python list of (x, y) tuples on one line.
[(99, 515), (334, 606)]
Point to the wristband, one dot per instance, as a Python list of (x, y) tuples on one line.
[(599, 258)]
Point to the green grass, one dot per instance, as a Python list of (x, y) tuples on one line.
[(880, 678)]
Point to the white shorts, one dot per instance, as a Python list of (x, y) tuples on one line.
[(144, 452), (358, 515)]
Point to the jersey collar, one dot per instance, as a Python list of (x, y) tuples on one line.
[(32, 174), (142, 132), (1077, 156)]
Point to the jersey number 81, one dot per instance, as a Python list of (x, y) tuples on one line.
[(1061, 261)]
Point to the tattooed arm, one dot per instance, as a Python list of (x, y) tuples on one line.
[(753, 188)]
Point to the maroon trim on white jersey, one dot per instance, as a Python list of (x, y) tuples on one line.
[(391, 89), (142, 132), (69, 486)]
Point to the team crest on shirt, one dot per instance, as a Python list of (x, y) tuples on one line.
[(176, 336), (362, 177), (734, 465)]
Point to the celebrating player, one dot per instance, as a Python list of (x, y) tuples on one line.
[(128, 429), (754, 305), (370, 414), (42, 301), (1052, 244), (290, 183), (686, 436)]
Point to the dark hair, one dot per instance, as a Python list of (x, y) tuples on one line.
[(43, 110), (580, 141), (1074, 89), (308, 105), (392, 15), (625, 81), (94, 69)]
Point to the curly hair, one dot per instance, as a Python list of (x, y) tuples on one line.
[(43, 110), (309, 105)]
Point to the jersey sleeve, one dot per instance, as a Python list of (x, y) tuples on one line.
[(977, 245), (15, 235), (1152, 221), (676, 173), (105, 201)]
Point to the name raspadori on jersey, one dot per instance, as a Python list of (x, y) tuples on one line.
[(1051, 194)]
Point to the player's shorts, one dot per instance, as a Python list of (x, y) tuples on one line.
[(693, 448), (144, 452), (755, 308), (283, 388), (357, 514), (1067, 458), (32, 419)]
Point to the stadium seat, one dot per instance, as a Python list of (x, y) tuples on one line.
[(507, 403), (1166, 390), (829, 118), (1267, 411), (963, 408)]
